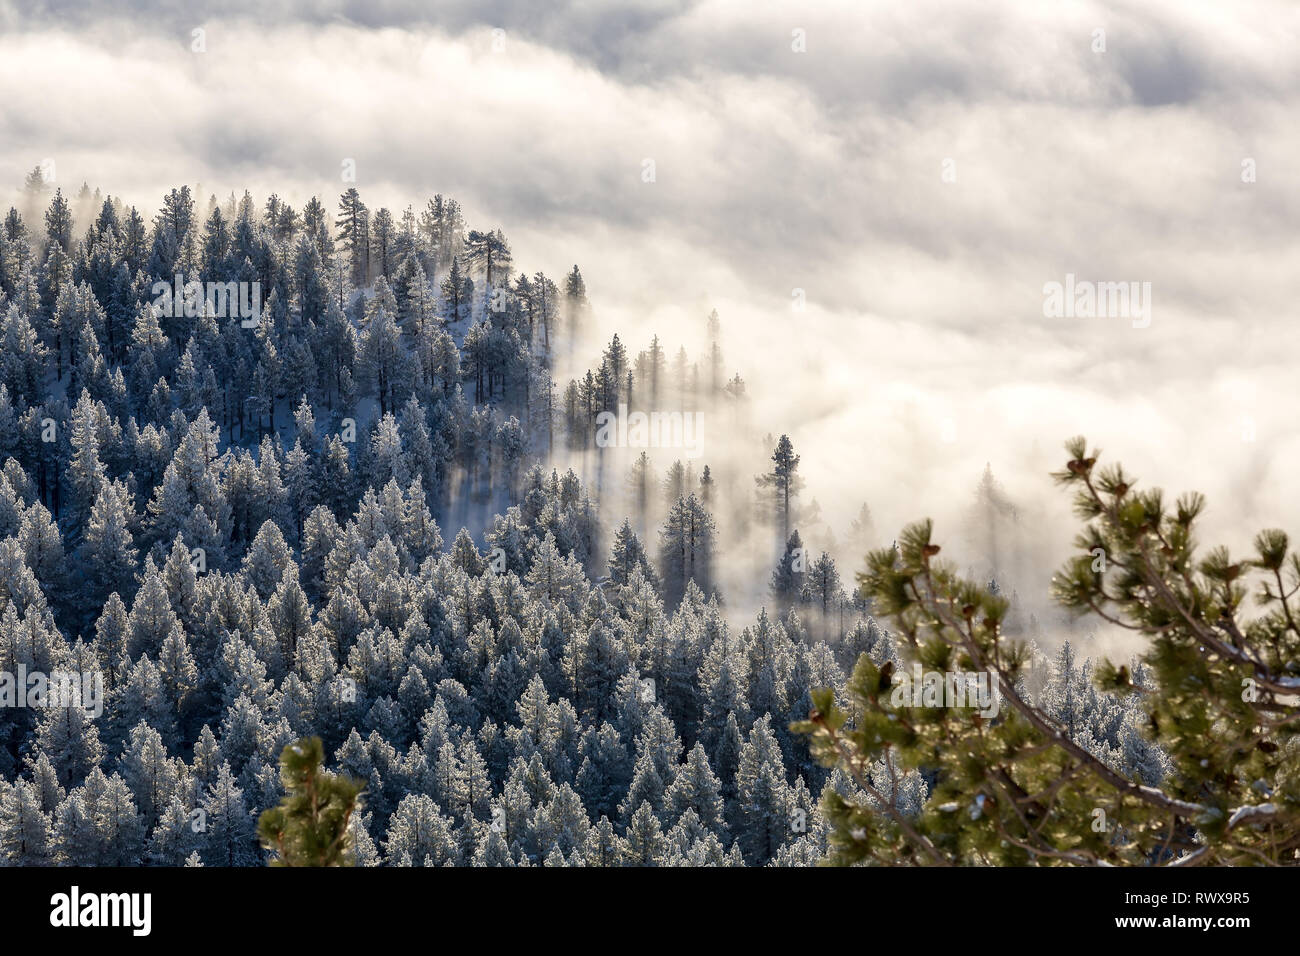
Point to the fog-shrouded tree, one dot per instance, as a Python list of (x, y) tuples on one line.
[(575, 303), (821, 593), (788, 578), (490, 252), (779, 487), (628, 554), (686, 549)]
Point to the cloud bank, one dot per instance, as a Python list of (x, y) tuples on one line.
[(917, 172)]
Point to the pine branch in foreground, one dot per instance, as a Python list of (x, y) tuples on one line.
[(311, 826), (1016, 787)]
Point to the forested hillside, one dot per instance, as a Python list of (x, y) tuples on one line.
[(350, 495)]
